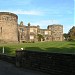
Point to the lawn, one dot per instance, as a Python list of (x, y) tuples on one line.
[(54, 47)]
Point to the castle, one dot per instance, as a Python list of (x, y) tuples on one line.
[(11, 31)]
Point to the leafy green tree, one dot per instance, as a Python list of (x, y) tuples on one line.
[(40, 37), (72, 33), (21, 23), (66, 36)]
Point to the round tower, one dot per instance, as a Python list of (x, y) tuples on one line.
[(8, 27)]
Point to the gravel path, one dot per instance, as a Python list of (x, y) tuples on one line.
[(9, 69)]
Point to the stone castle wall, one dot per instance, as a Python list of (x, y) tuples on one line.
[(10, 31), (56, 32), (8, 27), (52, 33)]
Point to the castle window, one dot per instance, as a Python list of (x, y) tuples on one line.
[(0, 17), (1, 29), (31, 37), (7, 18), (31, 30), (46, 32)]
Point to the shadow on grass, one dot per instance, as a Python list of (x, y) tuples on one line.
[(63, 50), (33, 49), (72, 44), (7, 50), (70, 50)]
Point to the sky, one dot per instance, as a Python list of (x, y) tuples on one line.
[(42, 12)]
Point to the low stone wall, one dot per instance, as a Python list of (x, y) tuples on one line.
[(52, 63), (10, 59)]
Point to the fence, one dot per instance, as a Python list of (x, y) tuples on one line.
[(52, 63)]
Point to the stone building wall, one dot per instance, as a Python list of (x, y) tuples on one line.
[(46, 33), (56, 32), (10, 31), (27, 33), (8, 27), (52, 33)]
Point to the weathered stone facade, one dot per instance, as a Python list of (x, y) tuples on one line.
[(10, 31), (27, 33), (8, 27), (30, 33), (56, 32)]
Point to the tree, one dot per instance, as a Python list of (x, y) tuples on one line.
[(66, 36), (29, 24), (40, 37), (21, 23), (72, 33)]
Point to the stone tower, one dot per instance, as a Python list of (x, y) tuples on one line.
[(8, 27), (56, 32)]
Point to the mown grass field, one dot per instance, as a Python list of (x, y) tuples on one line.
[(56, 47)]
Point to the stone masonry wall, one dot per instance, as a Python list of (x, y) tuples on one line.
[(52, 63), (8, 27)]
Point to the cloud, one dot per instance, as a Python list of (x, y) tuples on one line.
[(28, 12), (45, 23)]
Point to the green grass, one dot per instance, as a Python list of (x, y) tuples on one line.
[(56, 47)]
